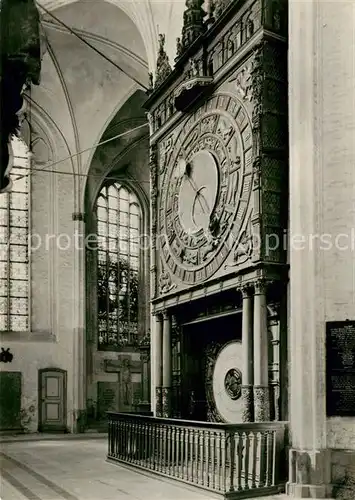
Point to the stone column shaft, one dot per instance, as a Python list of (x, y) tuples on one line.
[(79, 336), (248, 364), (326, 28), (261, 356), (158, 363), (167, 366)]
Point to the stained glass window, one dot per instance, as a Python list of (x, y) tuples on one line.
[(14, 264), (118, 265)]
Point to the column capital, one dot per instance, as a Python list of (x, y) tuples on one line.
[(245, 290), (166, 315), (158, 316), (260, 286)]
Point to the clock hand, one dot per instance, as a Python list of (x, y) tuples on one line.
[(199, 195)]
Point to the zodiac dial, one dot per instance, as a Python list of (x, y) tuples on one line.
[(206, 189)]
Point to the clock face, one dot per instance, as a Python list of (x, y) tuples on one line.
[(206, 189)]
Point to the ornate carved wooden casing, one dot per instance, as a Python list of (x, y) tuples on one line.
[(219, 167)]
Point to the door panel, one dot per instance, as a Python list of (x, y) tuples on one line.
[(52, 400), (10, 400)]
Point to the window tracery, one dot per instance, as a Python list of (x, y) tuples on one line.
[(119, 222), (14, 257)]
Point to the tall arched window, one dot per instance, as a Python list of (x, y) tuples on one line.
[(119, 222), (14, 262)]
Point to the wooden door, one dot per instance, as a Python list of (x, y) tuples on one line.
[(52, 388), (10, 401)]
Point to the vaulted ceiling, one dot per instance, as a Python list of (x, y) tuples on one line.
[(80, 90)]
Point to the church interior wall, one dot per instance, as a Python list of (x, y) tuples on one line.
[(125, 159), (337, 216), (49, 341), (322, 212)]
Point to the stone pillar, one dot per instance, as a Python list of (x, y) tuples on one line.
[(167, 366), (79, 337), (248, 365), (156, 363), (144, 347), (310, 32), (261, 355)]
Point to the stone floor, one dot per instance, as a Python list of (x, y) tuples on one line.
[(75, 469)]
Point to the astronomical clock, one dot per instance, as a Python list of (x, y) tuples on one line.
[(218, 166), (205, 189)]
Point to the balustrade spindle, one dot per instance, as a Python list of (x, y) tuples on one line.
[(201, 457), (254, 459), (130, 431), (178, 452), (191, 454), (146, 443), (232, 437), (269, 446), (132, 438), (165, 448), (161, 448), (262, 460), (140, 445), (218, 471), (173, 449), (275, 457), (123, 440), (207, 462), (169, 450), (110, 440), (127, 438), (157, 449), (153, 439), (186, 453), (113, 438), (246, 436), (117, 425), (223, 463)]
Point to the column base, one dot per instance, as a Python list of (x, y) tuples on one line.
[(158, 402), (247, 397), (299, 491), (166, 402), (261, 403), (309, 474)]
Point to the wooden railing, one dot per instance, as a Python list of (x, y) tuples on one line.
[(234, 460)]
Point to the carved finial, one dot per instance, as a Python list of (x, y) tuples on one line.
[(163, 65), (193, 25)]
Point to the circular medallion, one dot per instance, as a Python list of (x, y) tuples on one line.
[(206, 189), (233, 383), (226, 382)]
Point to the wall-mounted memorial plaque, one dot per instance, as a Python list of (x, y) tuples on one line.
[(340, 368)]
